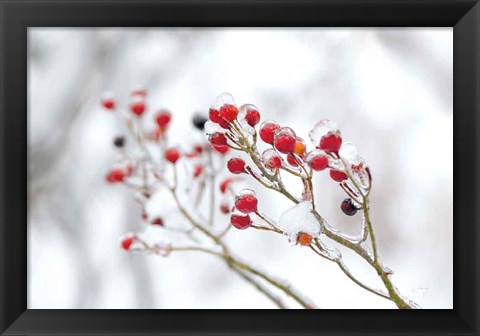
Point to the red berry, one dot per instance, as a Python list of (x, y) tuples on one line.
[(218, 139), (271, 159), (304, 239), (163, 118), (224, 208), (338, 176), (252, 117), (348, 207), (319, 163), (275, 162), (214, 115), (222, 149), (223, 124), (228, 112), (109, 103), (285, 140), (267, 131), (246, 201), (240, 222), (172, 155), (115, 175), (236, 165), (138, 108), (318, 160), (157, 221), (291, 160), (127, 242), (331, 143), (197, 171), (198, 149), (225, 184)]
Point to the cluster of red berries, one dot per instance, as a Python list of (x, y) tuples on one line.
[(325, 136), (162, 120), (246, 202)]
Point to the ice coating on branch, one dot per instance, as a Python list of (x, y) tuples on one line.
[(223, 99), (322, 128), (349, 153), (211, 127), (299, 218), (356, 164)]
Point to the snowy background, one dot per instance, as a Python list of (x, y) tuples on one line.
[(389, 89)]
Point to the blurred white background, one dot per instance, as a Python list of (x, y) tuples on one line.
[(390, 90)]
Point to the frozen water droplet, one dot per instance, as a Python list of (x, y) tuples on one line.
[(285, 131), (247, 117), (211, 127), (349, 153), (322, 128), (223, 99), (271, 159), (299, 218)]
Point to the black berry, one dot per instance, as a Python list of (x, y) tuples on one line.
[(348, 207), (199, 121), (119, 141)]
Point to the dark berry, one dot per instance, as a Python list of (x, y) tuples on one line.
[(348, 207), (119, 141), (199, 121)]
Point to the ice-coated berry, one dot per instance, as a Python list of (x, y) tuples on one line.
[(119, 141), (331, 143), (115, 175), (224, 208), (240, 221), (138, 108), (236, 165), (318, 160), (304, 239), (218, 139), (267, 131), (338, 176), (198, 149), (199, 121), (250, 114), (172, 155), (228, 112), (163, 118), (157, 221), (292, 161), (127, 242), (214, 115), (271, 159), (322, 131), (285, 140), (222, 149), (348, 207), (246, 201), (109, 103)]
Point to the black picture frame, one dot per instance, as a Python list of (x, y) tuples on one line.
[(17, 15)]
